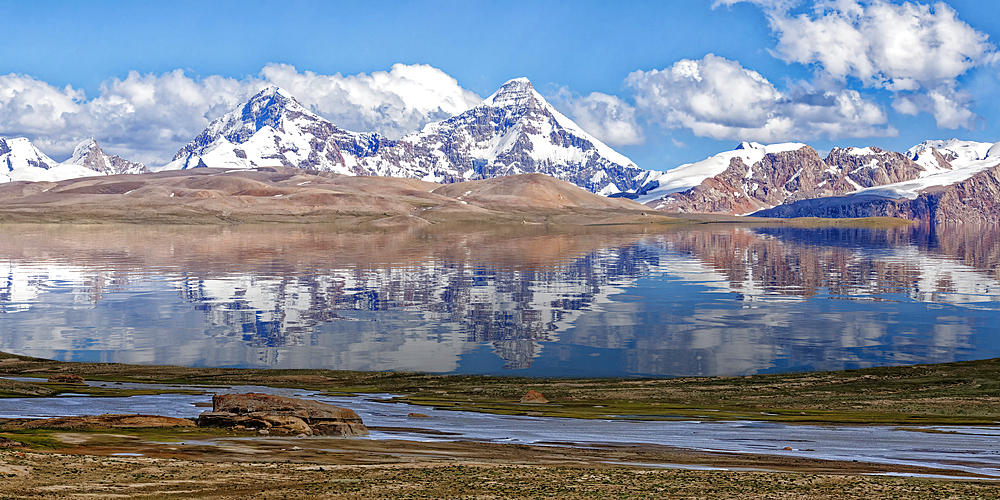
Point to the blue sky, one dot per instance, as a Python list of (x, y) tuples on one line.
[(664, 82)]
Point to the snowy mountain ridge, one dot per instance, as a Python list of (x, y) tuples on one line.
[(22, 161), (273, 129), (511, 132), (19, 153), (660, 184)]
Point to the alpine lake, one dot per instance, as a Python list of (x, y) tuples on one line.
[(629, 301)]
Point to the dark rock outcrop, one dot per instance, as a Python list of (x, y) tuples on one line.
[(66, 378), (280, 415), (10, 443)]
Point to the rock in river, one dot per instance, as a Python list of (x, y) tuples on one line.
[(66, 378), (282, 416)]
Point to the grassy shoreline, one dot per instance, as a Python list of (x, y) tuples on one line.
[(961, 393), (222, 464)]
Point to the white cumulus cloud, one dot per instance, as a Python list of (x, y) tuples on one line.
[(916, 51), (718, 98), (604, 116), (30, 107), (766, 4), (149, 117), (392, 103)]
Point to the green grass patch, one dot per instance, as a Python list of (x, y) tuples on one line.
[(36, 438), (963, 393)]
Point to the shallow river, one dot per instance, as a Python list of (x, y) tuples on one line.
[(971, 450), (711, 300)]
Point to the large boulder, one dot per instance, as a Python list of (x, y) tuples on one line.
[(534, 397), (67, 378), (280, 415)]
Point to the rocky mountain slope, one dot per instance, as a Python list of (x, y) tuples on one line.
[(969, 192), (756, 177), (514, 131), (89, 154)]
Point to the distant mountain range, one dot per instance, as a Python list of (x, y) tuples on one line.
[(756, 177), (516, 131), (953, 180), (22, 161)]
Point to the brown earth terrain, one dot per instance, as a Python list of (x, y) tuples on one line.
[(83, 465), (213, 196)]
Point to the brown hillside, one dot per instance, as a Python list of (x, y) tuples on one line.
[(204, 195), (531, 191)]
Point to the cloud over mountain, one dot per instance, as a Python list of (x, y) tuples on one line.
[(719, 98), (148, 117), (392, 103), (607, 117)]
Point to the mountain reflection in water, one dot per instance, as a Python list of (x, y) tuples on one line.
[(706, 300)]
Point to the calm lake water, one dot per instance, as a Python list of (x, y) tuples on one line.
[(711, 300)]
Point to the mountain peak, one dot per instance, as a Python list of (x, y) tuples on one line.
[(749, 145), (514, 131), (272, 129), (18, 152), (88, 153), (271, 91), (83, 149), (516, 92)]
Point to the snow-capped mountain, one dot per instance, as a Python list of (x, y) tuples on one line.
[(89, 154), (19, 153), (954, 151), (958, 182), (513, 131), (22, 161), (273, 129), (755, 177)]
